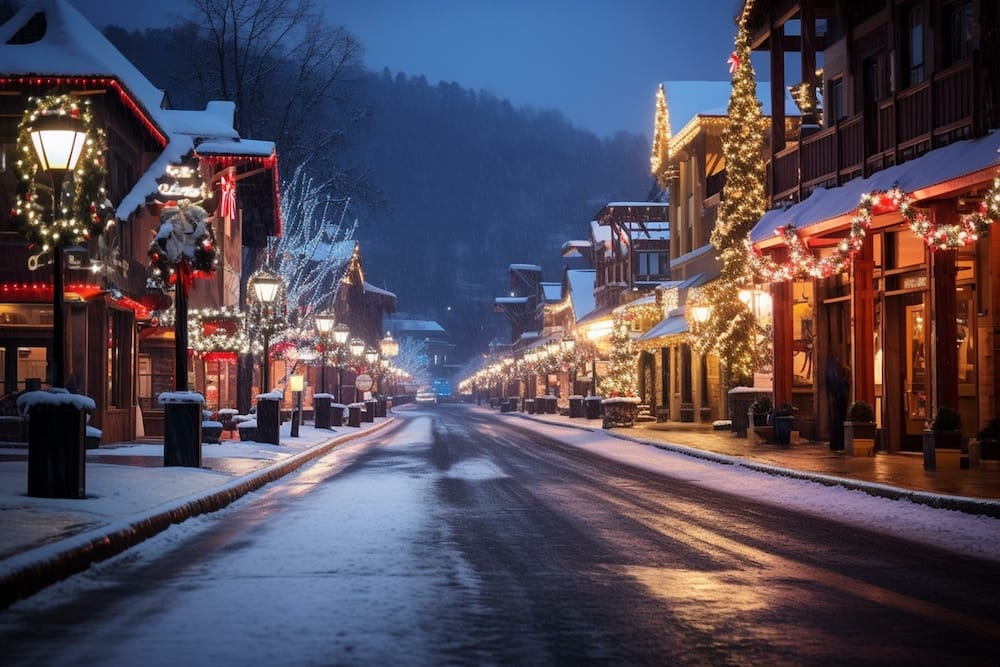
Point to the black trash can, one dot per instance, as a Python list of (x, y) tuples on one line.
[(551, 405), (576, 406), (182, 433), (56, 456), (371, 405), (321, 410), (337, 414), (268, 419), (529, 406), (354, 411), (592, 407)]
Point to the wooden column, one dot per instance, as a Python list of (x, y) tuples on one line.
[(784, 366), (863, 320), (777, 89), (944, 310)]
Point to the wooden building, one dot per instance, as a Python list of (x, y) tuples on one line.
[(877, 203)]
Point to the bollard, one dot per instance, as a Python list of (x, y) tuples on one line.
[(268, 419)]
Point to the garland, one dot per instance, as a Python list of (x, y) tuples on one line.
[(183, 245), (89, 209), (802, 262), (966, 232)]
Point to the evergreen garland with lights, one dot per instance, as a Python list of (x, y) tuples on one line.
[(729, 331), (88, 210), (184, 244), (620, 379)]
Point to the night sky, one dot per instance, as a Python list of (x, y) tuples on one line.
[(597, 61)]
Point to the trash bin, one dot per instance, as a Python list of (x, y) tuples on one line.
[(337, 414), (529, 406), (551, 404), (513, 403), (371, 406), (268, 419), (592, 407), (576, 406), (321, 410), (354, 411), (182, 431), (56, 451)]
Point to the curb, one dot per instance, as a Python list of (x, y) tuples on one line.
[(977, 506), (110, 540)]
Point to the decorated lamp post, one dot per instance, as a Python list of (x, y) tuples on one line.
[(324, 327), (182, 250), (56, 137), (266, 286)]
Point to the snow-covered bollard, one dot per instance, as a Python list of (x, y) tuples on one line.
[(182, 428), (338, 412), (321, 410), (268, 417), (56, 442)]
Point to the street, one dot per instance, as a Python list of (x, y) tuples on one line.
[(458, 537)]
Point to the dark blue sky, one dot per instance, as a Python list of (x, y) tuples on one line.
[(597, 61)]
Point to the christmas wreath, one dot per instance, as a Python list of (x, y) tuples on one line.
[(89, 209), (184, 244)]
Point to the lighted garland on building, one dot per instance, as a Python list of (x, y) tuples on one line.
[(89, 209), (184, 244), (803, 262), (207, 333), (966, 232)]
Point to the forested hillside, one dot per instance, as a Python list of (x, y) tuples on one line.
[(475, 185)]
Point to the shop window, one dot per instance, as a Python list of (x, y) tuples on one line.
[(31, 364), (958, 32), (156, 375)]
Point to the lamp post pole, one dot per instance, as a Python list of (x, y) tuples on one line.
[(266, 286), (324, 326)]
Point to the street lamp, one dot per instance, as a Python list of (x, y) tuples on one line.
[(341, 333), (389, 346), (266, 286), (324, 322), (58, 140)]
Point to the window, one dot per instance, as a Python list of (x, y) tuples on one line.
[(651, 265), (958, 32), (837, 107), (914, 45)]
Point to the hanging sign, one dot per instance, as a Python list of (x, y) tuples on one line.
[(364, 382), (180, 181)]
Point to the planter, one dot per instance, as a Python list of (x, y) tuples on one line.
[(783, 429), (859, 438), (758, 418), (619, 411), (935, 440)]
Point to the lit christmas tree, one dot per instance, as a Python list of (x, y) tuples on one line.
[(660, 157), (620, 379), (730, 332)]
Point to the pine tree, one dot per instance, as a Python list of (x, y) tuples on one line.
[(660, 157), (620, 379), (731, 332)]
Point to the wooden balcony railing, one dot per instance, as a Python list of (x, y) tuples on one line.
[(921, 117)]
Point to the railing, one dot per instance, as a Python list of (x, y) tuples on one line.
[(940, 109)]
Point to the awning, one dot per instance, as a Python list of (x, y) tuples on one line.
[(937, 167), (672, 326)]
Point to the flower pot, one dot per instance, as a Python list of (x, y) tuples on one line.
[(859, 438), (783, 429)]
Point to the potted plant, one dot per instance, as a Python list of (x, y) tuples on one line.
[(987, 445), (783, 417), (859, 429), (943, 432), (760, 411)]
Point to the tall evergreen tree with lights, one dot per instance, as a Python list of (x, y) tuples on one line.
[(620, 379), (731, 332)]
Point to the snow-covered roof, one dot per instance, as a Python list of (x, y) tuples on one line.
[(401, 327), (552, 292), (930, 169), (574, 248), (581, 291), (600, 233), (510, 300), (372, 289), (72, 46), (671, 326), (525, 267)]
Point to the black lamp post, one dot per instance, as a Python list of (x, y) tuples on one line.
[(357, 348), (58, 140), (324, 326), (266, 286), (341, 333)]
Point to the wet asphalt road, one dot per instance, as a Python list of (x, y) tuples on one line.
[(456, 538)]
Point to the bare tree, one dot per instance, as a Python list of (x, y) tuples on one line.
[(292, 74)]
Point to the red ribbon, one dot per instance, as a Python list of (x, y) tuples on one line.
[(228, 193)]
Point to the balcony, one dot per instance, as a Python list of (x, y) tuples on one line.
[(931, 114)]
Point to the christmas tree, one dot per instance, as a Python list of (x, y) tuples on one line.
[(731, 332), (620, 379)]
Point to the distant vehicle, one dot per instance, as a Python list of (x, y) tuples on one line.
[(426, 397)]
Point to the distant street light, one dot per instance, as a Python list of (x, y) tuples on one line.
[(266, 287), (324, 322)]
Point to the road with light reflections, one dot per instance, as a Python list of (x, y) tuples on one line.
[(457, 537)]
